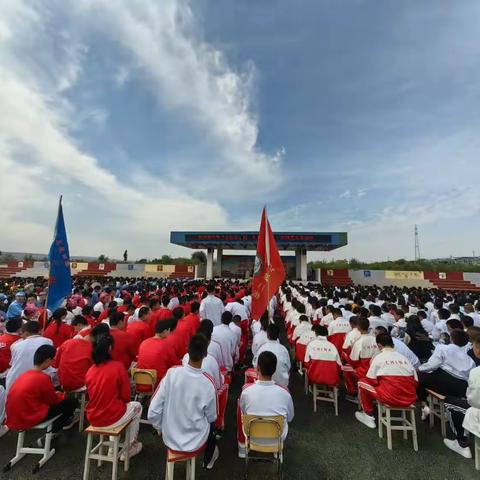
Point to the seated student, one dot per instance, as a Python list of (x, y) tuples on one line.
[(400, 347), (417, 339), (467, 322), (391, 379), (57, 330), (139, 330), (473, 333), (80, 326), (400, 326), (186, 421), (12, 335), (261, 337), (375, 318), (214, 349), (193, 318), (108, 388), (74, 358), (301, 345), (264, 398), (441, 325), (123, 348), (282, 373), (322, 360), (32, 398), (426, 323), (338, 329), (364, 348), (303, 326), (351, 337), (223, 335), (156, 353), (24, 350), (163, 313), (458, 407), (236, 328), (446, 371)]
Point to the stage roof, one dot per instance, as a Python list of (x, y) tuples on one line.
[(317, 241)]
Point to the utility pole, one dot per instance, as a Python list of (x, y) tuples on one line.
[(417, 245)]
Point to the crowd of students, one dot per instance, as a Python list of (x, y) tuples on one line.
[(388, 344)]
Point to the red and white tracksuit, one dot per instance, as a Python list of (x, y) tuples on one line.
[(337, 331), (358, 363), (391, 379), (322, 362)]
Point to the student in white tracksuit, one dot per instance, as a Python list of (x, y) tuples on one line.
[(282, 372), (264, 398), (184, 407)]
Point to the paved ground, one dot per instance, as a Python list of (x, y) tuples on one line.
[(319, 447)]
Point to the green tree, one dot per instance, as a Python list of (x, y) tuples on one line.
[(102, 258), (199, 257)]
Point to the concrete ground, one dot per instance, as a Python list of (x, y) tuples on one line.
[(319, 446)]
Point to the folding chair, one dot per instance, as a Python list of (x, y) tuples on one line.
[(145, 378), (263, 435)]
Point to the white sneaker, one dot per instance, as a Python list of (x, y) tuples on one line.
[(242, 453), (3, 430), (425, 412), (455, 446), (366, 419), (216, 454), (135, 449)]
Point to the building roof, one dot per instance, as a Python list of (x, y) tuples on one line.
[(318, 241)]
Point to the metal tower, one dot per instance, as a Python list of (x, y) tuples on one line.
[(417, 244)]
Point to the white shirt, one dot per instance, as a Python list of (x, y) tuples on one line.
[(378, 322), (173, 303), (258, 340), (210, 366), (223, 335), (265, 398), (364, 347), (322, 349), (212, 308), (306, 337), (427, 325), (237, 309), (339, 325), (450, 358), (282, 373), (98, 307), (183, 407), (215, 350), (326, 320), (300, 329), (351, 338), (22, 356), (401, 348), (389, 363)]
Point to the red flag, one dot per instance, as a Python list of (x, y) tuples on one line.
[(269, 272)]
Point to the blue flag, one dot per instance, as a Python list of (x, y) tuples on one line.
[(60, 278)]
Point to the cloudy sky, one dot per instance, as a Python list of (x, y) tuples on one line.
[(158, 115)]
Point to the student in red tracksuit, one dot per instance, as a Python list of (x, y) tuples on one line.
[(163, 313), (391, 379), (193, 318), (32, 398), (156, 353), (322, 361), (80, 326), (364, 348), (123, 348), (57, 330), (181, 336), (108, 388), (74, 358), (14, 329), (140, 329)]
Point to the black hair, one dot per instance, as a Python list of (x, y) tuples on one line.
[(178, 313), (443, 314), (320, 330), (267, 363), (363, 324), (303, 318), (100, 329), (273, 332), (115, 318), (79, 320), (165, 299), (101, 349), (455, 324), (143, 311), (43, 352), (197, 348), (154, 301), (227, 317), (264, 320), (422, 314), (385, 340), (459, 337), (31, 327), (162, 325), (206, 325), (467, 321), (14, 324), (381, 330), (194, 307)]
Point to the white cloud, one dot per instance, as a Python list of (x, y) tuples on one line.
[(346, 194)]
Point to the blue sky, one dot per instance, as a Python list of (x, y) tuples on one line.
[(151, 116)]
